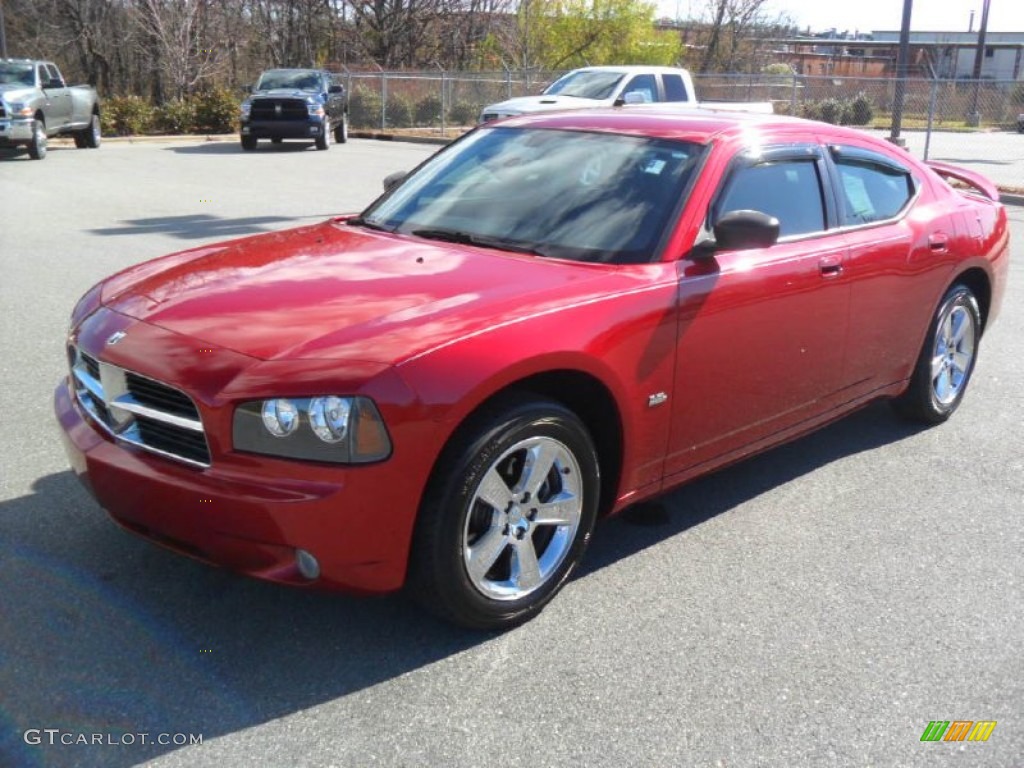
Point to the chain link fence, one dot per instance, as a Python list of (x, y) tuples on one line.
[(448, 103)]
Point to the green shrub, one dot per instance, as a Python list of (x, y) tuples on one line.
[(463, 113), (364, 107), (126, 116), (811, 110), (835, 111), (861, 111), (216, 111), (399, 114), (178, 116), (428, 110)]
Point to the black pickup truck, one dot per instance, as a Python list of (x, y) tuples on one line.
[(295, 104)]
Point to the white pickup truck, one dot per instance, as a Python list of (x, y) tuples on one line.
[(608, 86), (36, 103)]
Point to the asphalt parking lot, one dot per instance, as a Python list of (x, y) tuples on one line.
[(815, 606)]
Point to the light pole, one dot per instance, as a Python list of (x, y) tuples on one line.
[(3, 33), (974, 116), (901, 75)]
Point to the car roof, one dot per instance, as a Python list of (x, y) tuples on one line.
[(629, 68), (684, 122)]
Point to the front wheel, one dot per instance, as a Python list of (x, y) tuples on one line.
[(323, 141), (341, 131), (37, 146), (947, 359), (249, 143), (507, 515)]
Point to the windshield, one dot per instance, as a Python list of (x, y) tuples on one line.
[(302, 81), (16, 74), (586, 85), (597, 197)]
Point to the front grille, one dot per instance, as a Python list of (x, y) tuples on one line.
[(160, 396), (278, 109), (139, 410)]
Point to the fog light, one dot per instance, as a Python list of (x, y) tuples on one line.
[(308, 565)]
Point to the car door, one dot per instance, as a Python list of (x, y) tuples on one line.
[(58, 110), (762, 331), (897, 263)]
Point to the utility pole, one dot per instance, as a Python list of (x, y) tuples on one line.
[(901, 75), (974, 116)]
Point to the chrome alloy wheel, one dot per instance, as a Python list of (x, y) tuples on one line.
[(523, 519), (955, 343)]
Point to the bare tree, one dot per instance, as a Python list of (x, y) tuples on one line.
[(184, 54)]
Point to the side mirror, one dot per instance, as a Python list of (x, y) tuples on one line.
[(335, 89), (392, 180), (738, 230)]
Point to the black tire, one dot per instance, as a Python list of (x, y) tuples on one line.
[(946, 361), (94, 133), (89, 138), (37, 146), (525, 547), (249, 143), (323, 141), (341, 131), (277, 140)]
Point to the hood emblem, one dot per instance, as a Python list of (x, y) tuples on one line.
[(277, 108), (115, 337)]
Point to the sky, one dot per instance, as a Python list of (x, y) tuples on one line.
[(868, 15)]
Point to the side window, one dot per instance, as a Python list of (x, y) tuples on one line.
[(645, 85), (789, 190), (52, 73), (43, 76), (872, 190), (674, 88)]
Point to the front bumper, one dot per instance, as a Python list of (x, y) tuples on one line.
[(15, 131), (252, 517), (285, 129)]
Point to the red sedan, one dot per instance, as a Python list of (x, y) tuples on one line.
[(550, 320)]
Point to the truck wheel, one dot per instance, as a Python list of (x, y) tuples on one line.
[(323, 141), (89, 137), (248, 143), (341, 132), (276, 140), (37, 147)]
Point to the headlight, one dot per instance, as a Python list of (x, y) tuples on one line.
[(315, 108), (341, 430), (17, 109), (246, 109)]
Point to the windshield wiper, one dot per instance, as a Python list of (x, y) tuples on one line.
[(468, 238), (361, 221)]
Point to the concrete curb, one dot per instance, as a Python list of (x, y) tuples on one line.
[(438, 140)]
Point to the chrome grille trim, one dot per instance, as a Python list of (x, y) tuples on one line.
[(105, 392)]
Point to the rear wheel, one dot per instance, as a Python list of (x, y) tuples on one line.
[(276, 140), (249, 143), (507, 515), (947, 360), (37, 146)]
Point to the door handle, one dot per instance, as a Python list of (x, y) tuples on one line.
[(830, 266), (938, 242)]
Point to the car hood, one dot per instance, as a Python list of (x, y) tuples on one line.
[(284, 93), (526, 104), (16, 92), (333, 291)]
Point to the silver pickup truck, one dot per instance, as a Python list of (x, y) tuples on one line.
[(35, 104)]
